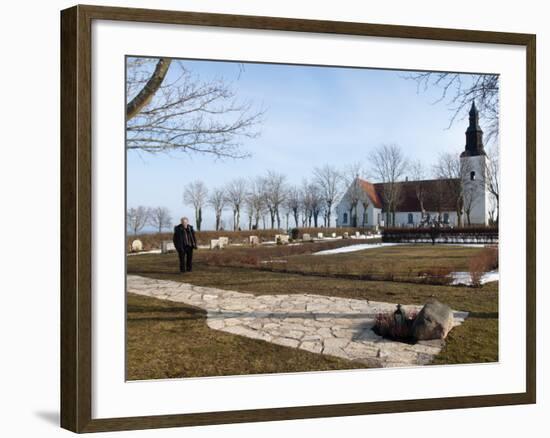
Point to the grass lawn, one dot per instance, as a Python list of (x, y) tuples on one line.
[(170, 340), (474, 341), (412, 260)]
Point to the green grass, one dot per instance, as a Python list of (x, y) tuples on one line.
[(474, 341), (171, 340)]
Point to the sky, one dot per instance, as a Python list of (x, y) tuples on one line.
[(313, 116)]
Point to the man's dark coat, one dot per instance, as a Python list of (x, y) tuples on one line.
[(183, 239)]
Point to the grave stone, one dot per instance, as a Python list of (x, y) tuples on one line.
[(283, 238), (253, 240), (137, 245), (167, 246), (214, 243), (319, 235), (306, 237)]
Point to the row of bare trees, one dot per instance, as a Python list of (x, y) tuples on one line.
[(138, 217), (269, 200)]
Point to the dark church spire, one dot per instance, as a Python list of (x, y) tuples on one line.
[(474, 135)]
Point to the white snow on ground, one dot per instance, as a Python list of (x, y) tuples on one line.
[(353, 248), (362, 246), (466, 279), (153, 251)]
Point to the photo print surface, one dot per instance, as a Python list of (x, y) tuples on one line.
[(292, 218)]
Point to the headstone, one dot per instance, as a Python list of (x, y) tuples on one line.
[(137, 245), (333, 235), (434, 321), (281, 238), (306, 237), (319, 235), (224, 240), (357, 234), (346, 235), (167, 246), (254, 240), (214, 243)]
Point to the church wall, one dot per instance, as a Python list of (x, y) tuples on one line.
[(480, 210)]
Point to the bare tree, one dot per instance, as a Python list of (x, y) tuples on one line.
[(275, 192), (149, 87), (353, 195), (196, 194), (217, 200), (458, 90), (418, 176), (293, 201), (329, 180), (236, 196), (160, 218), (305, 203), (389, 165), (137, 218), (452, 171), (169, 108), (317, 202), (255, 202), (492, 180)]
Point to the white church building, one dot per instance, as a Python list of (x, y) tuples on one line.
[(417, 202)]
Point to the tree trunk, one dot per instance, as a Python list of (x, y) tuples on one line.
[(149, 89)]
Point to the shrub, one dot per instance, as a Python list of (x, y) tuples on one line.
[(439, 275), (485, 260), (388, 326)]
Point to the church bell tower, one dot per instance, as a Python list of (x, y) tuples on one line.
[(474, 172)]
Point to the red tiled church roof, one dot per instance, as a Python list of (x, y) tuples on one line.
[(439, 194), (371, 191)]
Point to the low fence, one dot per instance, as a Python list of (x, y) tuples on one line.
[(484, 235)]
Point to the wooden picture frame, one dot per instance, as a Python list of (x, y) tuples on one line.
[(76, 218)]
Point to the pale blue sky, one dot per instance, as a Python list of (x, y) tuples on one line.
[(314, 116)]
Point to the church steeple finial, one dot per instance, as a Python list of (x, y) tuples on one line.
[(474, 135)]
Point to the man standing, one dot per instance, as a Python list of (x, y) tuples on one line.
[(184, 242)]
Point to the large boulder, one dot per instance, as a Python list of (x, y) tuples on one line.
[(434, 321)]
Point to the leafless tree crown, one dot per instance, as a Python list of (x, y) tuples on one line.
[(171, 109)]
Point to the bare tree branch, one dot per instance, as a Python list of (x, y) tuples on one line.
[(182, 112)]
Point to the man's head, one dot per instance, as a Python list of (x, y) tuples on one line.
[(184, 221)]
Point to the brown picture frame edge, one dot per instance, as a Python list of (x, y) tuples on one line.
[(76, 173)]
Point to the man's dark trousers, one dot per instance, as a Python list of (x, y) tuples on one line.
[(186, 259)]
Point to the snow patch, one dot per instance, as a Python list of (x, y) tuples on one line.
[(465, 278), (353, 248)]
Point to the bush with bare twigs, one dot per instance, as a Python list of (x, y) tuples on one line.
[(388, 326), (486, 260)]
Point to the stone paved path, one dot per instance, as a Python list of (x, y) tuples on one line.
[(327, 325)]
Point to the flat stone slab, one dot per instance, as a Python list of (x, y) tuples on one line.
[(320, 324)]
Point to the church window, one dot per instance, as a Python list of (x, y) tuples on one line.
[(472, 175), (446, 218), (345, 218), (410, 218)]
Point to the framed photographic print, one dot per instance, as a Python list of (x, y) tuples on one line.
[(269, 218)]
